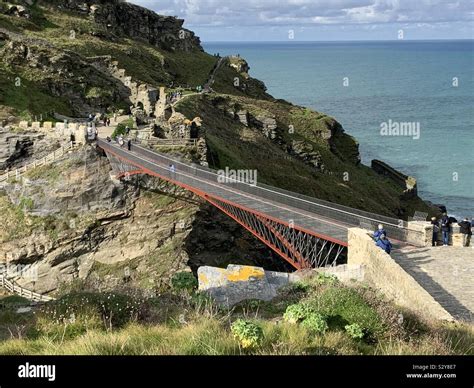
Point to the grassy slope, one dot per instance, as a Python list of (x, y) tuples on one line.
[(154, 326), (140, 60)]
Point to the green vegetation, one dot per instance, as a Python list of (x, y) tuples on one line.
[(184, 281), (297, 312), (26, 99), (188, 323), (355, 331), (249, 334), (119, 131), (315, 323), (51, 173)]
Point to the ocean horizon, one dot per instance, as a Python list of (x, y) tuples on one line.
[(423, 86)]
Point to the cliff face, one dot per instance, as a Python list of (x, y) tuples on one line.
[(69, 222), (130, 20)]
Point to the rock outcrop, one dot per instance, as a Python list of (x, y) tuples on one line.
[(237, 283), (125, 19), (17, 149)]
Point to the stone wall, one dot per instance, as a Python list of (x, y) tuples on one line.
[(407, 183), (419, 233), (381, 271), (345, 273), (58, 129)]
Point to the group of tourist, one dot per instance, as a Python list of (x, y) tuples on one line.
[(103, 118), (443, 225), (174, 96)]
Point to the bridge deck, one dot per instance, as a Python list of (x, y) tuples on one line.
[(143, 158)]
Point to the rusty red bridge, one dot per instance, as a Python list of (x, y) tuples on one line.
[(305, 231)]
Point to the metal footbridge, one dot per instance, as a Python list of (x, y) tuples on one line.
[(304, 231)]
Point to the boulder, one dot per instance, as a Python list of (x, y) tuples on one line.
[(240, 282)]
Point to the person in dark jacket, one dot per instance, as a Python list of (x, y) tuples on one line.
[(379, 232), (466, 231), (129, 144), (384, 243), (435, 223), (445, 223)]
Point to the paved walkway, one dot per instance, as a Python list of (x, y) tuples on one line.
[(447, 273)]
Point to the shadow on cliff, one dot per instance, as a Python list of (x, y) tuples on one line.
[(216, 240)]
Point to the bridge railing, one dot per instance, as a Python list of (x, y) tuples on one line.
[(153, 141), (48, 159), (396, 229)]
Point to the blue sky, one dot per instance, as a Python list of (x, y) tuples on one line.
[(313, 20)]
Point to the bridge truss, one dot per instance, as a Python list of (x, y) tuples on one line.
[(299, 247)]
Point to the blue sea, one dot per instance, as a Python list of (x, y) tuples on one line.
[(429, 84)]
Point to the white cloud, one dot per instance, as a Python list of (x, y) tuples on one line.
[(311, 12)]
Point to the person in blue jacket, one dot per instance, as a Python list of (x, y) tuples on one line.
[(383, 243), (379, 232), (445, 224)]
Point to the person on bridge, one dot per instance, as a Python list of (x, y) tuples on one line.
[(384, 243), (379, 232), (445, 223), (465, 231)]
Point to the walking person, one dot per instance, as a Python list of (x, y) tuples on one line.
[(434, 239), (384, 243), (465, 231), (129, 144), (445, 229)]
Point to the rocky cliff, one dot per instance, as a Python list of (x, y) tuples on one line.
[(120, 18)]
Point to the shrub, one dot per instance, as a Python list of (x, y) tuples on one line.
[(248, 334), (355, 331), (114, 310), (298, 287), (315, 323), (184, 281), (297, 312), (119, 130), (348, 306)]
